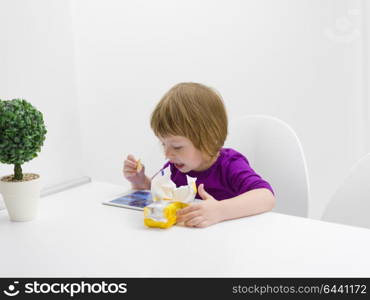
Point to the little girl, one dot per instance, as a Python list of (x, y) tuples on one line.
[(191, 123)]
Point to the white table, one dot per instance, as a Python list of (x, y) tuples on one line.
[(76, 236)]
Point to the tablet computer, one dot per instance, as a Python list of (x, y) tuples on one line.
[(132, 199)]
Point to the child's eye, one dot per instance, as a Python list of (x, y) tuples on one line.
[(177, 148)]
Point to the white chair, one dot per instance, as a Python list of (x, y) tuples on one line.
[(275, 153), (350, 203), (2, 204)]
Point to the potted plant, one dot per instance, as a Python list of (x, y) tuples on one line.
[(22, 133)]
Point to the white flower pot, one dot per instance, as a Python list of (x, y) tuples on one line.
[(21, 198)]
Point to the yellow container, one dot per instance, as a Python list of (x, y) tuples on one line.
[(169, 213)]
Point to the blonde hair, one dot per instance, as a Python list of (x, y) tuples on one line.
[(194, 111)]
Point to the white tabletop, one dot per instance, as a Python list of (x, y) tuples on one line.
[(75, 235)]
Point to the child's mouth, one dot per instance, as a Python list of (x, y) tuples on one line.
[(179, 166)]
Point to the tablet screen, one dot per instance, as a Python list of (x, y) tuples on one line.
[(137, 199)]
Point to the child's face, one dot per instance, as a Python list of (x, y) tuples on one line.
[(182, 153)]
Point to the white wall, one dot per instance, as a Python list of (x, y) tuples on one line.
[(37, 64), (302, 61), (298, 60)]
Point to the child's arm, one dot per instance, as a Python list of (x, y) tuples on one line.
[(134, 172), (212, 211), (143, 186), (250, 203)]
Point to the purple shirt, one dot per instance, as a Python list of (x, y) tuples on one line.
[(229, 176)]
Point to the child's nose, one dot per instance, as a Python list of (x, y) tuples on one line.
[(168, 153)]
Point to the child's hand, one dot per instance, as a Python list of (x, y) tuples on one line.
[(134, 172), (201, 214)]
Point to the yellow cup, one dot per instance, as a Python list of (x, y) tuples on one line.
[(169, 213)]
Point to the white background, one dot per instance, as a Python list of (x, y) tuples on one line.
[(37, 64), (303, 61)]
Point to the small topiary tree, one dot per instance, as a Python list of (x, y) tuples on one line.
[(22, 133)]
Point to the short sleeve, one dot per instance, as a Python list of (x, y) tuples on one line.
[(243, 178)]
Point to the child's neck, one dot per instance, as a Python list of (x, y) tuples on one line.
[(207, 163)]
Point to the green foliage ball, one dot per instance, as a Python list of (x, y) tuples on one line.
[(22, 131)]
